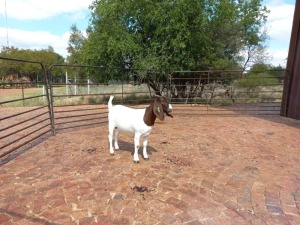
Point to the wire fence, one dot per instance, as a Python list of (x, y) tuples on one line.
[(209, 93), (70, 96), (79, 98)]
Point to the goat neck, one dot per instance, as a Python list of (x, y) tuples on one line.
[(149, 117)]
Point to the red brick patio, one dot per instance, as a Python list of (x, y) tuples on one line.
[(203, 170)]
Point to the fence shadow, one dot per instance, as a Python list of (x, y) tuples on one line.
[(29, 218), (13, 155), (62, 130), (281, 120)]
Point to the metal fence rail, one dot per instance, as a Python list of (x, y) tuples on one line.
[(79, 97), (21, 126), (72, 96), (210, 93)]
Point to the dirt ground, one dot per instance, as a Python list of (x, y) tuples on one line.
[(8, 91), (202, 170)]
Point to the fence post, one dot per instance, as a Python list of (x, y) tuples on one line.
[(49, 94), (75, 86), (44, 92), (88, 86), (169, 82), (23, 96), (67, 81), (123, 87)]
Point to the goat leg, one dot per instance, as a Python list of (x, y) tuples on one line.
[(136, 148)]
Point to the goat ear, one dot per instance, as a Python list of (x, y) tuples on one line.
[(158, 110)]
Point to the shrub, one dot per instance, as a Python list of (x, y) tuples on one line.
[(257, 79), (253, 81)]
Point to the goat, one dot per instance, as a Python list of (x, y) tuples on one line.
[(137, 121)]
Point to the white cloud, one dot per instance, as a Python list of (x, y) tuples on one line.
[(35, 40), (279, 56), (280, 20), (279, 24), (41, 9), (38, 10), (77, 16)]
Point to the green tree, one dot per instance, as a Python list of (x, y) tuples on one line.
[(255, 52), (258, 76), (75, 43), (31, 70), (278, 71), (172, 35), (155, 35)]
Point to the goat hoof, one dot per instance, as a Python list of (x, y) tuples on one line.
[(146, 159), (134, 161), (112, 154)]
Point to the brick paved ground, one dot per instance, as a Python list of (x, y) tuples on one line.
[(205, 170)]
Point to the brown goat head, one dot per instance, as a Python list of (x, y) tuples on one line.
[(158, 108), (161, 107)]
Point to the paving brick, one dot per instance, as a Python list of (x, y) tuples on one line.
[(239, 170), (290, 210), (4, 218), (194, 222), (184, 217)]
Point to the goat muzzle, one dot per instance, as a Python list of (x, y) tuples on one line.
[(169, 113)]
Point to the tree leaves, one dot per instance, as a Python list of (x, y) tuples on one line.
[(172, 35), (30, 70)]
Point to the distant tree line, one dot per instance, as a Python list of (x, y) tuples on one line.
[(11, 70)]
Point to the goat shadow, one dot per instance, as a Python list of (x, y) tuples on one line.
[(129, 147)]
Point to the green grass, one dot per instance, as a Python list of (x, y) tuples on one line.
[(35, 101), (99, 94), (138, 94)]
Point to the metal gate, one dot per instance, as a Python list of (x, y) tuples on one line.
[(25, 106), (227, 93)]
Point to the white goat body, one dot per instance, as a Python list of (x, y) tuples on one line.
[(128, 119), (132, 120)]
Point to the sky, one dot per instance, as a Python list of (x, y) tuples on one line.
[(37, 24)]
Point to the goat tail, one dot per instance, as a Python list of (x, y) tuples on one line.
[(110, 102)]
